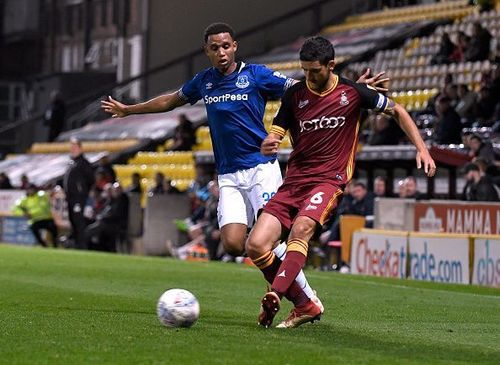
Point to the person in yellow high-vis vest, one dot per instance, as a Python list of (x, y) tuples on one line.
[(36, 207)]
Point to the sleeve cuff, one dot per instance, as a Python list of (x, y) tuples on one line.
[(278, 130)]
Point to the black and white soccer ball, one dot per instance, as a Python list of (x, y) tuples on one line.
[(178, 308)]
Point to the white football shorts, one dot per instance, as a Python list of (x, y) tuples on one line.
[(243, 193)]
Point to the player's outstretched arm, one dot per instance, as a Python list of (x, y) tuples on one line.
[(377, 82), (270, 144), (408, 126), (162, 103)]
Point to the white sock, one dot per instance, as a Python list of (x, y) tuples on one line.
[(280, 252)]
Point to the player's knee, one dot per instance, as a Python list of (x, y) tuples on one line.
[(234, 247), (303, 229), (254, 247)]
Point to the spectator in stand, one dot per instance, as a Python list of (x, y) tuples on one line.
[(479, 46), (481, 149), (200, 182), (494, 83), (135, 186), (485, 107), (451, 91), (466, 134), (448, 127), (496, 120), (478, 187), (194, 224), (5, 182), (105, 166), (184, 136), (55, 115), (102, 178), (401, 189), (362, 201), (410, 188), (446, 48), (97, 201), (110, 223), (466, 105), (384, 130), (25, 182), (169, 188), (158, 188), (432, 102), (36, 207), (495, 56), (202, 230), (77, 182), (458, 53), (492, 171), (380, 187)]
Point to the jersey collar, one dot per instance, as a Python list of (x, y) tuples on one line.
[(239, 67), (326, 92)]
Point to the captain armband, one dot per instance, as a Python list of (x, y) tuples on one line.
[(384, 104)]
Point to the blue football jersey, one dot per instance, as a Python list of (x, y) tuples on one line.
[(235, 107)]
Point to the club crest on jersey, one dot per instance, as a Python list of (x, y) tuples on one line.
[(209, 85), (242, 81), (343, 98)]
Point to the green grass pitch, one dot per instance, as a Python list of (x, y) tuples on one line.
[(68, 307)]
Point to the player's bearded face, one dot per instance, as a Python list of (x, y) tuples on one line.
[(317, 75), (220, 49)]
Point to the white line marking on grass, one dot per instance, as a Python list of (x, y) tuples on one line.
[(312, 274), (399, 286)]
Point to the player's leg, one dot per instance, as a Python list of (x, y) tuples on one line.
[(302, 230), (259, 246), (232, 215), (315, 210), (233, 237), (265, 181), (36, 228), (266, 231)]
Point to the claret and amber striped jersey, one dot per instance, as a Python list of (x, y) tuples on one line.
[(324, 129)]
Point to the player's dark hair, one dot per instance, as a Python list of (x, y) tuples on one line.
[(317, 49), (216, 28)]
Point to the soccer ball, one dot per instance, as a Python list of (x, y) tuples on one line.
[(178, 308)]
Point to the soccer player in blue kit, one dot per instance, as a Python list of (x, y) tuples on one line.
[(235, 95)]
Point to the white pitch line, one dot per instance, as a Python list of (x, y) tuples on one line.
[(376, 283)]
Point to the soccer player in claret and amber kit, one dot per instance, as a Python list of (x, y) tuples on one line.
[(235, 96), (322, 116)]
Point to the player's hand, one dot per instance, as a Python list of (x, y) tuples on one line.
[(424, 158), (114, 107), (270, 145), (377, 82)]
